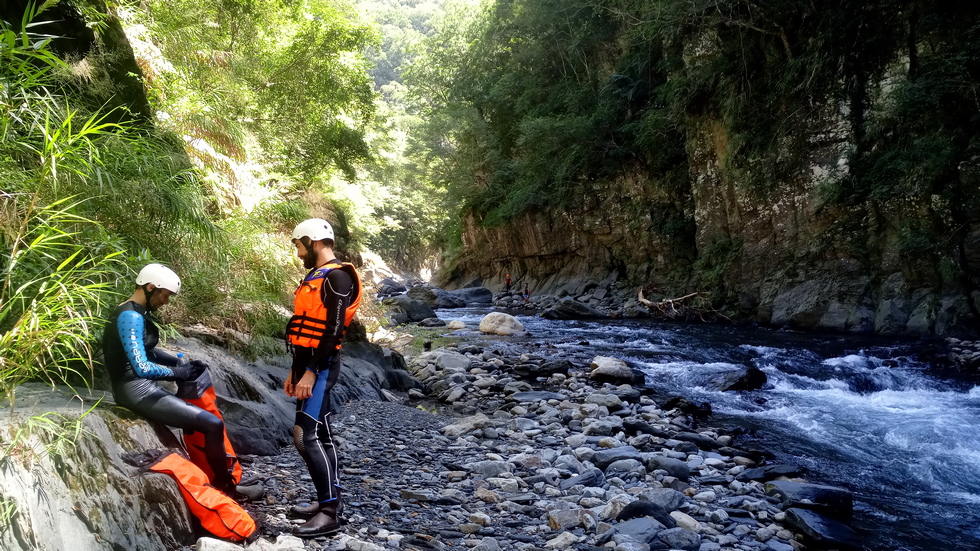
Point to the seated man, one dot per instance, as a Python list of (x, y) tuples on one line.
[(134, 364)]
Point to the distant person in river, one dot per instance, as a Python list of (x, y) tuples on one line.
[(134, 362), (527, 294), (508, 283), (323, 308)]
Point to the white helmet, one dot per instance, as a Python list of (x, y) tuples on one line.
[(160, 276), (317, 229)]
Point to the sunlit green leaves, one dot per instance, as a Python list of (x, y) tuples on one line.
[(290, 74)]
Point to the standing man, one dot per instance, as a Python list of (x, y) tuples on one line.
[(508, 283), (135, 364), (527, 294), (325, 303)]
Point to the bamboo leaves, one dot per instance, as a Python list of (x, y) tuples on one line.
[(51, 297)]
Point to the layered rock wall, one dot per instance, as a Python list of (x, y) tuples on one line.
[(780, 256)]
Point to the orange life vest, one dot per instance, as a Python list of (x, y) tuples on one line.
[(218, 513), (309, 321)]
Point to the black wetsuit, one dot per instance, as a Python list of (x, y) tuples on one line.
[(312, 433), (134, 363)]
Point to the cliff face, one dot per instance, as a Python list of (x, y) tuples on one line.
[(782, 257), (609, 237)]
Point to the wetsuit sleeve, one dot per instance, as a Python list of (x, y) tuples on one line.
[(131, 326), (336, 296), (163, 358)]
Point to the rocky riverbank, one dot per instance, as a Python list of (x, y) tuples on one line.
[(538, 449)]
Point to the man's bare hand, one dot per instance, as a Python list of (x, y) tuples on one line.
[(304, 389)]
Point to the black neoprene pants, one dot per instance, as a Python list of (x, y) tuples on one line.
[(156, 404), (313, 434)]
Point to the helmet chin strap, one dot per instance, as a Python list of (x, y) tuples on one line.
[(309, 259), (149, 295)]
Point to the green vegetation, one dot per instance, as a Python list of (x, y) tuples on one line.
[(58, 267), (712, 266), (535, 104), (90, 195)]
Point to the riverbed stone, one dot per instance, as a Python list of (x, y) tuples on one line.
[(830, 500), (769, 472), (612, 370), (668, 499), (825, 531), (680, 538), (642, 529), (674, 467), (591, 477), (686, 521), (499, 323), (467, 424), (537, 396), (609, 401), (604, 458), (642, 508), (571, 518)]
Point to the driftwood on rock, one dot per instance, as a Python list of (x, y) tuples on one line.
[(688, 307)]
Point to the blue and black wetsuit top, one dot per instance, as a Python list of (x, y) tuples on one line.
[(129, 346)]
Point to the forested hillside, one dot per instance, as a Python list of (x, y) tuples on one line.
[(806, 164), (195, 134)]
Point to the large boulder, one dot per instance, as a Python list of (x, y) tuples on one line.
[(388, 287), (570, 309), (474, 295), (440, 298), (742, 379), (613, 370), (404, 309), (86, 497), (499, 323), (824, 532), (428, 295), (829, 500), (448, 299)]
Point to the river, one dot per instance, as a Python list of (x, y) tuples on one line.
[(876, 416)]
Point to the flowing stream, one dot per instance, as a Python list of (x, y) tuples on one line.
[(868, 414)]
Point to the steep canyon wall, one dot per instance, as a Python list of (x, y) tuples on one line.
[(782, 257)]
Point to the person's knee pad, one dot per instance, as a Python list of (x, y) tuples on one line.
[(298, 439), (304, 432)]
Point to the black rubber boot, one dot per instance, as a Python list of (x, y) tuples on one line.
[(305, 510), (334, 508), (251, 492), (320, 525)]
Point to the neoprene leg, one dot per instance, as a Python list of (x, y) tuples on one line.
[(313, 437), (328, 450), (163, 407), (320, 456)]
